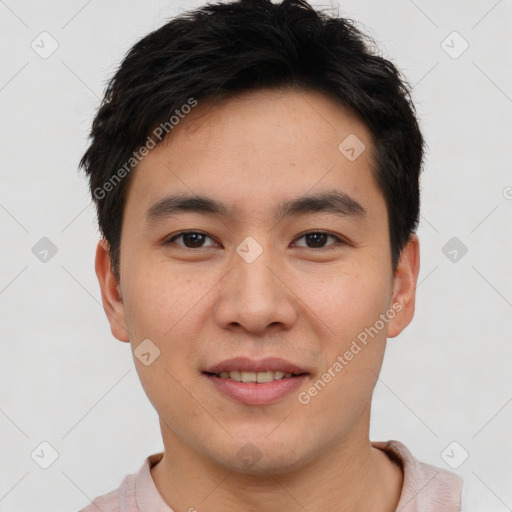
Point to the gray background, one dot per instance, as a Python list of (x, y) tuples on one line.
[(66, 381)]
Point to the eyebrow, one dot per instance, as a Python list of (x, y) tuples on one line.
[(335, 201)]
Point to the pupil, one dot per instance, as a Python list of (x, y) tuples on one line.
[(315, 237), (196, 243)]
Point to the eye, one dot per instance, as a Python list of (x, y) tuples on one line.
[(195, 239), (317, 239), (192, 239)]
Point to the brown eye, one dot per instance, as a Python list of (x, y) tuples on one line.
[(191, 239), (317, 239), (196, 240)]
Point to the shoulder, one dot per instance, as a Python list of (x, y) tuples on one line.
[(135, 488), (425, 487), (112, 501), (106, 503)]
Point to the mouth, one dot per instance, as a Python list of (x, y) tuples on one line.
[(253, 382), (255, 377)]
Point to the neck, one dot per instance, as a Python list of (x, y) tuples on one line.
[(352, 476)]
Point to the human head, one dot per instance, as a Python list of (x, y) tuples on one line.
[(210, 54), (251, 147)]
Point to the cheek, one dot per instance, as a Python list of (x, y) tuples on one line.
[(166, 305), (162, 299), (351, 300), (162, 307), (348, 300)]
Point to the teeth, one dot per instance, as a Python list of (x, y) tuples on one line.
[(265, 376), (248, 376), (252, 377)]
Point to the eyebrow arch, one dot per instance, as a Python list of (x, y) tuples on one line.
[(334, 201)]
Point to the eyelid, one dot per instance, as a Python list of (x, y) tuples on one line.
[(339, 240), (171, 239)]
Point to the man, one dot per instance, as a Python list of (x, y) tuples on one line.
[(255, 169)]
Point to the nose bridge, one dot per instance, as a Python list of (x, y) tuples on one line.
[(254, 280), (253, 296)]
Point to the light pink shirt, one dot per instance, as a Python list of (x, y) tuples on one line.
[(426, 488)]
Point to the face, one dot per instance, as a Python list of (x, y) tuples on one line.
[(253, 283)]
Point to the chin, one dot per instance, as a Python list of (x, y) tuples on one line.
[(260, 456)]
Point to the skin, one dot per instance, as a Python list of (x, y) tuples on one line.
[(298, 301)]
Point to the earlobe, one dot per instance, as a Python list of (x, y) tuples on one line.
[(110, 292), (404, 287)]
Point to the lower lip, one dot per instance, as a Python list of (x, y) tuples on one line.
[(250, 393)]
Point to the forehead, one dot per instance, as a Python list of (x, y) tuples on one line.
[(260, 146)]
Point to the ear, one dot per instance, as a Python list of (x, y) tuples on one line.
[(110, 292), (404, 287)]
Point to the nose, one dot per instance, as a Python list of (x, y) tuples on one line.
[(255, 296)]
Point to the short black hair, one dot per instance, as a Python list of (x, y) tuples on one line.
[(226, 48)]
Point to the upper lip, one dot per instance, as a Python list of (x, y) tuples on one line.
[(245, 364)]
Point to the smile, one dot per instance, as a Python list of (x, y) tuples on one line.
[(253, 377)]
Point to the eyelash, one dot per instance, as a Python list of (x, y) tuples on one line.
[(182, 233)]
